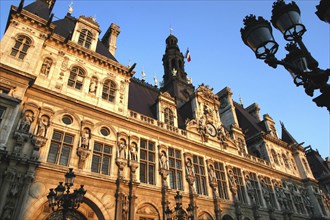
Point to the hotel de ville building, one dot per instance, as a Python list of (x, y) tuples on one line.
[(140, 151)]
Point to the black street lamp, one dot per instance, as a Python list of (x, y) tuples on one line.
[(62, 199), (257, 34), (323, 10), (179, 210)]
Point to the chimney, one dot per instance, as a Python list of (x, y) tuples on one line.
[(254, 110), (110, 38)]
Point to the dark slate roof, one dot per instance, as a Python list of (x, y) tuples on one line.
[(65, 28), (142, 98), (286, 136), (317, 164), (247, 122), (39, 8), (185, 112)]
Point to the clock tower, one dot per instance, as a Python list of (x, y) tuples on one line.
[(175, 78)]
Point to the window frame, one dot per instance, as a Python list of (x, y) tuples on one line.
[(75, 73), (148, 161), (220, 173), (102, 155), (109, 90), (21, 46), (241, 194), (200, 175), (60, 146), (175, 168), (168, 116), (85, 38)]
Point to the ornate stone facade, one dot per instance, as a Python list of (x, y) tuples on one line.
[(67, 102)]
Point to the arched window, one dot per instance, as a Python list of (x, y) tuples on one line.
[(168, 117), (305, 165), (286, 161), (76, 78), (85, 38), (109, 90), (274, 155), (22, 44), (46, 65)]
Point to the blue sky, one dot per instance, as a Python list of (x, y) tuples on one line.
[(211, 30)]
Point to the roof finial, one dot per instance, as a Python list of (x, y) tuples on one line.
[(70, 10), (240, 100), (171, 30), (143, 74), (155, 80)]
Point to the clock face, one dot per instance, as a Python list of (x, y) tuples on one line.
[(211, 130)]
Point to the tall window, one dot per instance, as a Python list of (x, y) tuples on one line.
[(147, 161), (255, 185), (22, 44), (76, 78), (85, 38), (286, 161), (271, 192), (221, 177), (109, 90), (299, 203), (274, 155), (2, 113), (240, 186), (305, 165), (168, 116), (199, 168), (60, 148), (101, 158), (175, 163)]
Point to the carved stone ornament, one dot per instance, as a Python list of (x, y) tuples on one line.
[(83, 153), (232, 180), (190, 177)]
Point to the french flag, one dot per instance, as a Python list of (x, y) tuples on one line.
[(188, 57)]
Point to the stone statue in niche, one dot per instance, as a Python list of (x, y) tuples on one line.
[(85, 137), (45, 67), (121, 149), (26, 122), (189, 167), (42, 126), (93, 86), (232, 180), (133, 151), (212, 175), (163, 161)]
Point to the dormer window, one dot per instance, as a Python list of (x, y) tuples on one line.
[(85, 38), (22, 44), (109, 90), (168, 117), (76, 78)]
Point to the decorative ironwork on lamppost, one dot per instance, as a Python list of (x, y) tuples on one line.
[(180, 213), (323, 10), (257, 34), (62, 199)]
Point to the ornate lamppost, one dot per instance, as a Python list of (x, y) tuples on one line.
[(62, 199), (323, 10), (180, 213), (257, 34)]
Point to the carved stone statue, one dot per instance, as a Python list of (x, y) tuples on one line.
[(42, 126), (122, 149), (85, 137), (232, 180), (26, 122), (45, 68), (163, 161), (212, 176), (189, 167), (133, 151), (92, 86)]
